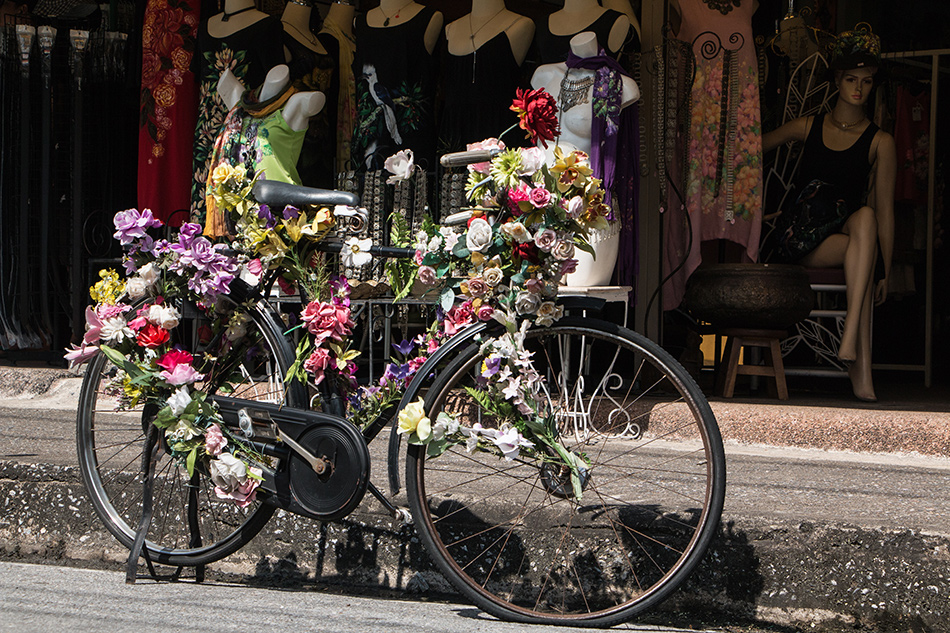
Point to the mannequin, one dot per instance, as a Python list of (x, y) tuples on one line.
[(576, 133), (612, 28), (481, 71), (299, 107), (296, 21), (391, 13), (338, 24), (237, 15), (396, 78), (241, 38), (488, 19), (871, 220), (626, 8)]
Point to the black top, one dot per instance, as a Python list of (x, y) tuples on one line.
[(395, 92), (846, 169), (554, 48), (310, 70), (479, 88)]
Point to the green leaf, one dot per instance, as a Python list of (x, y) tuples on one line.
[(190, 461), (461, 251)]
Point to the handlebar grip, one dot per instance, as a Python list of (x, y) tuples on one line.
[(276, 193), (457, 159), (383, 251)]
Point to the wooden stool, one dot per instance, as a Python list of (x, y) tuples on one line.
[(773, 367)]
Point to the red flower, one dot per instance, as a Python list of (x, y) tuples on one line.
[(528, 252), (537, 114), (152, 336), (174, 358)]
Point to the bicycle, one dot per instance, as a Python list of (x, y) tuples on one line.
[(591, 528)]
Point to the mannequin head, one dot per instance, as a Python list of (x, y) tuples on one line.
[(855, 59), (855, 85)]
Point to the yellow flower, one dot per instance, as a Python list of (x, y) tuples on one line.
[(108, 289), (221, 173), (323, 221), (238, 173), (477, 259), (412, 419)]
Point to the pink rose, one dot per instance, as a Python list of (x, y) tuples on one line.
[(215, 440), (317, 364), (183, 374), (485, 312), (477, 287), (418, 258), (519, 194), (568, 266), (325, 320), (488, 143), (535, 286), (545, 240), (539, 197), (427, 275)]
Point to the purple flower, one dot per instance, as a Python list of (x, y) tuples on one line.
[(291, 212), (492, 365), (131, 224), (405, 348), (396, 373), (264, 213)]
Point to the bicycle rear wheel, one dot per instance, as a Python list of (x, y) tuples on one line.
[(511, 535), (190, 525)]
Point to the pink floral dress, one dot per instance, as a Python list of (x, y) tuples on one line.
[(723, 179)]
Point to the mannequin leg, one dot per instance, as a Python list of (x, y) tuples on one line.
[(860, 372), (854, 249)]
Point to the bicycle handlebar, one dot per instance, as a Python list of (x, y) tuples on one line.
[(274, 193), (457, 159), (394, 252)]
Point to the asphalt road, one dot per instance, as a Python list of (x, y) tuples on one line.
[(42, 598)]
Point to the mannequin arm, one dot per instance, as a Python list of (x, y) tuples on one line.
[(882, 197), (230, 88), (301, 106), (794, 130)]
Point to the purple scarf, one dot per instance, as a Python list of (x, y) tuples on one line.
[(615, 154)]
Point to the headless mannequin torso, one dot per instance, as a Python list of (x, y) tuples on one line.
[(396, 12), (340, 15), (577, 15), (487, 19), (237, 15), (296, 21), (299, 108)]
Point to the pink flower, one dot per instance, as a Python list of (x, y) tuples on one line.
[(568, 266), (215, 440), (488, 143), (539, 197), (535, 286), (545, 240), (485, 312), (325, 320), (427, 275), (317, 364), (182, 374), (286, 286), (416, 363), (517, 195), (255, 267), (418, 258), (93, 327), (477, 287), (174, 358), (79, 355), (432, 345)]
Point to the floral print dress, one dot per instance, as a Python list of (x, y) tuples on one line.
[(723, 148), (249, 53)]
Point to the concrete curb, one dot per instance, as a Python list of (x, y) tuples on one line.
[(820, 577)]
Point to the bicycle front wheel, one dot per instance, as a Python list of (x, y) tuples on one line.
[(190, 524), (514, 538)]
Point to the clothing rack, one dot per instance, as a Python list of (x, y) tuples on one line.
[(912, 58)]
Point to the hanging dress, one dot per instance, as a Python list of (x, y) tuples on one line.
[(395, 92), (310, 70), (553, 48), (167, 109), (478, 91), (723, 190), (249, 53)]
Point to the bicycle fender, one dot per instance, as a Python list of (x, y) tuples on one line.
[(454, 344)]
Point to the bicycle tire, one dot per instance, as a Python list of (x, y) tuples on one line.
[(110, 444), (518, 544)]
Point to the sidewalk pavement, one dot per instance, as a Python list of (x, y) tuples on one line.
[(837, 513)]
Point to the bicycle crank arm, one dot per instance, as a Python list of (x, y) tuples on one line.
[(319, 464)]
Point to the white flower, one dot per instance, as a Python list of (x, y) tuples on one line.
[(548, 313), (136, 288), (445, 425), (181, 432), (531, 160), (115, 330), (164, 315), (517, 231), (356, 252), (179, 400), (451, 239), (479, 236), (150, 273), (400, 165), (513, 389), (575, 207), (510, 442), (435, 243), (475, 432), (228, 472), (563, 250), (527, 302), (492, 276)]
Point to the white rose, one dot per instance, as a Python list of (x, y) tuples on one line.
[(575, 207), (136, 288), (228, 472), (149, 273), (435, 243), (527, 302), (492, 276), (531, 160), (563, 250), (479, 236), (179, 401), (165, 316), (548, 313), (516, 231), (400, 165)]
